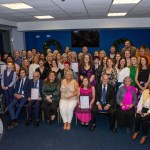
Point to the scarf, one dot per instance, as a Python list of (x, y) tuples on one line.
[(128, 97)]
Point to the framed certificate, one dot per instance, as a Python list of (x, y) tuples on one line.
[(74, 66), (34, 93), (84, 102)]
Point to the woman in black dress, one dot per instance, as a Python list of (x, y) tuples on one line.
[(142, 77)]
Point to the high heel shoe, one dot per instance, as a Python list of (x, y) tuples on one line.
[(135, 135), (143, 140)]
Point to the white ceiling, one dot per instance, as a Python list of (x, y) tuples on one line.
[(73, 9)]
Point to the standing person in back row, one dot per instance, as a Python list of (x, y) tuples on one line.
[(128, 47), (8, 81)]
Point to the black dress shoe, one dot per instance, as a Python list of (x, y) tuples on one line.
[(36, 124), (28, 122), (92, 128), (12, 124), (51, 121), (114, 131)]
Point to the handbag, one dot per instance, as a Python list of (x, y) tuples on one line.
[(144, 110)]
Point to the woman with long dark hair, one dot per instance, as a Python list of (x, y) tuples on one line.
[(86, 69), (84, 115), (142, 77)]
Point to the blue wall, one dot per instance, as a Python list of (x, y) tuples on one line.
[(107, 38)]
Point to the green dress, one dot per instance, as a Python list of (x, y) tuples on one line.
[(132, 74), (52, 89)]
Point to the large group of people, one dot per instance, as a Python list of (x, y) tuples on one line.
[(83, 84)]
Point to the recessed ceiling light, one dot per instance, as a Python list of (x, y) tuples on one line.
[(44, 17), (126, 1), (16, 6), (117, 14)]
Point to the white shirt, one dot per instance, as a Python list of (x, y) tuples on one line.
[(32, 69), (141, 105), (112, 55), (61, 65), (125, 72), (37, 86)]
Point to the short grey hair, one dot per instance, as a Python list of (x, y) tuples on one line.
[(126, 78)]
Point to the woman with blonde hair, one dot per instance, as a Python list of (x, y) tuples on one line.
[(68, 101), (33, 66), (73, 57), (133, 68), (59, 61), (142, 116), (26, 65), (102, 54)]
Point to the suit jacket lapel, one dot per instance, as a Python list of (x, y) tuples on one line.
[(108, 90), (100, 91)]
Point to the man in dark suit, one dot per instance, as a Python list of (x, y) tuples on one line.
[(20, 98), (105, 100), (37, 84)]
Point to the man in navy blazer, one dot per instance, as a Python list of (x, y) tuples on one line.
[(21, 95), (105, 102), (37, 84)]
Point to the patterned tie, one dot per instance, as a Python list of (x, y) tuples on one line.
[(104, 95)]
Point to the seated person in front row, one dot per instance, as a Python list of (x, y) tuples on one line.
[(142, 116), (126, 100), (51, 96), (35, 84), (20, 98), (105, 100)]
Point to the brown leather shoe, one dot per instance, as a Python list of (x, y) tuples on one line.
[(134, 136), (143, 139)]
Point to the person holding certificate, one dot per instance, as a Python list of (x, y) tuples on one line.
[(51, 96), (68, 101), (85, 102), (34, 99), (105, 100)]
